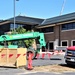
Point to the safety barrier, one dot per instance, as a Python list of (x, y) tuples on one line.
[(13, 57), (43, 54), (59, 52), (49, 54)]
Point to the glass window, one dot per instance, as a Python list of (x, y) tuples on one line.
[(73, 25), (11, 26), (64, 43), (73, 43), (47, 29), (16, 26), (68, 26), (20, 25), (1, 32), (64, 27)]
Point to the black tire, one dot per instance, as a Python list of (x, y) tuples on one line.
[(33, 53), (67, 62)]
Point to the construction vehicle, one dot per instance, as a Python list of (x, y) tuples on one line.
[(70, 55), (14, 40)]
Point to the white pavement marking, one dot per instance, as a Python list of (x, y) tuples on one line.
[(40, 72), (26, 73)]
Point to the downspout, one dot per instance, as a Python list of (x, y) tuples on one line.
[(59, 36)]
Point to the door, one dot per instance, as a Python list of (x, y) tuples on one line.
[(50, 46)]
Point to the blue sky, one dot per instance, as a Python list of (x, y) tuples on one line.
[(35, 8)]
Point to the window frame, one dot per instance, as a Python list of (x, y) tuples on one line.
[(64, 41), (44, 29), (67, 26), (16, 26), (72, 42)]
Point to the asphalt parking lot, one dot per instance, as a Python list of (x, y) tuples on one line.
[(46, 73), (54, 59)]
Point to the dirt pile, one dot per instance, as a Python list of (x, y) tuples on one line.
[(55, 68)]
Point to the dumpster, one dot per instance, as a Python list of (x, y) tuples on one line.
[(13, 57)]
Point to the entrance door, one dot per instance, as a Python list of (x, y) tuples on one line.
[(50, 46)]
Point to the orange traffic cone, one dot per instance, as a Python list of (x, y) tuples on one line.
[(49, 55), (37, 56), (30, 62), (43, 55)]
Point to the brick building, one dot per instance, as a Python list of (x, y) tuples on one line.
[(59, 31)]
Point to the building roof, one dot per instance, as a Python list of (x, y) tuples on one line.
[(58, 19), (1, 20), (25, 19), (40, 22)]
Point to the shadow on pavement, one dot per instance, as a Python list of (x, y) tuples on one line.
[(65, 65), (55, 59), (48, 59)]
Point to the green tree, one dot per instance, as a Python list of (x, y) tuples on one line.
[(21, 30)]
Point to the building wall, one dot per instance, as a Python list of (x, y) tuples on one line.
[(53, 36), (68, 35), (56, 32), (49, 37), (56, 36), (60, 35)]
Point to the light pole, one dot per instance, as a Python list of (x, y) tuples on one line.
[(14, 13), (14, 16)]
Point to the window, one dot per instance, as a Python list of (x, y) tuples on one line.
[(16, 26), (64, 43), (64, 27), (1, 32), (47, 29), (73, 43), (73, 25), (11, 26), (68, 26)]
